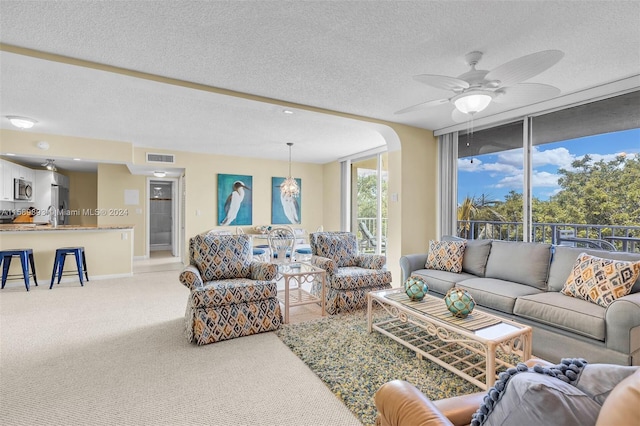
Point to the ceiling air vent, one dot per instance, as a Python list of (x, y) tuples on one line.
[(160, 158)]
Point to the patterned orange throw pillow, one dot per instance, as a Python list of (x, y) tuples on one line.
[(446, 255), (600, 281)]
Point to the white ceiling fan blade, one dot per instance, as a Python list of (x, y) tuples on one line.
[(526, 93), (524, 68), (442, 82), (427, 104)]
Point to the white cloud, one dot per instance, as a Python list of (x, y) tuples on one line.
[(546, 179), (560, 157), (465, 165), (501, 168), (512, 157), (513, 182), (506, 172)]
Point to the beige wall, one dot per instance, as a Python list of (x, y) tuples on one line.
[(412, 178), (113, 180), (24, 143), (83, 195), (201, 185)]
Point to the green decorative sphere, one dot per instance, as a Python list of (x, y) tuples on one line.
[(459, 302), (415, 288)]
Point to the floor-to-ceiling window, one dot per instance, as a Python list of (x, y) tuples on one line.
[(369, 183), (579, 186)]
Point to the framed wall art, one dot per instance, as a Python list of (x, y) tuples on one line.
[(285, 210), (235, 200)]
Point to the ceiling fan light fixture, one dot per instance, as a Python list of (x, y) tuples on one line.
[(473, 101), (21, 122)]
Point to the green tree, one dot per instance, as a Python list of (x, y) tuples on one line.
[(368, 196), (600, 193)]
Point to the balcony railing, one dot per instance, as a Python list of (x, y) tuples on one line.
[(620, 238), (367, 245)]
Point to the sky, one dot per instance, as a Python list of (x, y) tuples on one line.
[(495, 175)]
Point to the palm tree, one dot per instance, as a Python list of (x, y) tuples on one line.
[(482, 208), (466, 212)]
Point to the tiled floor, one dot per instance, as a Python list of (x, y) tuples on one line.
[(164, 261)]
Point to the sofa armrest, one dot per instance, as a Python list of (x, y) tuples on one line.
[(400, 403), (622, 320), (371, 261), (263, 271), (324, 263), (190, 277), (412, 262)]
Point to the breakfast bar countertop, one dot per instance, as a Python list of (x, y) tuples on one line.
[(33, 227)]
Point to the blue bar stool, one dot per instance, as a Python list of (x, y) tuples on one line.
[(58, 264), (26, 259)]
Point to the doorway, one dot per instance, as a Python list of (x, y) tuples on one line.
[(162, 219), (369, 183)]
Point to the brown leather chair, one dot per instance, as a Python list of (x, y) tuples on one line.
[(399, 403)]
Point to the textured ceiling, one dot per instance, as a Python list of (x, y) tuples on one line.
[(350, 57)]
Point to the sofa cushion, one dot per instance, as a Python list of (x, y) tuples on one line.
[(342, 248), (475, 257), (445, 255), (353, 277), (565, 257), (599, 280), (496, 294), (568, 313), (441, 281), (232, 291), (524, 263)]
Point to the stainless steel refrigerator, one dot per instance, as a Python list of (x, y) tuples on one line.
[(52, 197)]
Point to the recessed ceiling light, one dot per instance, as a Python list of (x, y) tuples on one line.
[(21, 122), (77, 159), (159, 174), (287, 111)]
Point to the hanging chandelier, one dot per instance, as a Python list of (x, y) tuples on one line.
[(289, 187)]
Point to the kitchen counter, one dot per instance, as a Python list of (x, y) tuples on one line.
[(109, 249), (30, 227)]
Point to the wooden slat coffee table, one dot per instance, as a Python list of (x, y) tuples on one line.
[(466, 347)]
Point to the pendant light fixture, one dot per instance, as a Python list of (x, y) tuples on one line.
[(289, 187), (50, 165)]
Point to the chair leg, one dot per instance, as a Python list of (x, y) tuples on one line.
[(84, 264), (5, 269), (63, 257), (55, 269), (24, 262), (79, 266), (33, 268)]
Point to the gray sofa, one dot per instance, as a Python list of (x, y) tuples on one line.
[(522, 282)]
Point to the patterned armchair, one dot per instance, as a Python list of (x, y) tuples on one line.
[(350, 276), (231, 295)]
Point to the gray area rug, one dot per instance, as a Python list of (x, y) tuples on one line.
[(354, 363)]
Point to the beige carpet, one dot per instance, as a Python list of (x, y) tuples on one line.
[(113, 353)]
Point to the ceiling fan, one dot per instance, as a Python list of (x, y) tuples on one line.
[(474, 90)]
